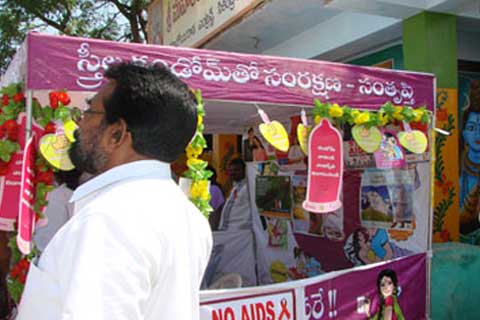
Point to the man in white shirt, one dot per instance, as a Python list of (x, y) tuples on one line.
[(136, 247), (236, 213)]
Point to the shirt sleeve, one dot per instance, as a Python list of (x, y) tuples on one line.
[(103, 276), (217, 198)]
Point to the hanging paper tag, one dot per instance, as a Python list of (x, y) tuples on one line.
[(276, 135), (390, 154), (325, 169), (302, 135), (54, 148), (367, 139), (414, 141)]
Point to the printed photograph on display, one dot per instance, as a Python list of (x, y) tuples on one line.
[(272, 196), (253, 146), (304, 222), (386, 199), (277, 230)]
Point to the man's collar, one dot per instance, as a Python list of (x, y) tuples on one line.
[(142, 168)]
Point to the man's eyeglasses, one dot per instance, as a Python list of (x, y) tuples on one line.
[(78, 114)]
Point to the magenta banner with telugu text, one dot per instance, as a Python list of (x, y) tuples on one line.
[(333, 296), (61, 62)]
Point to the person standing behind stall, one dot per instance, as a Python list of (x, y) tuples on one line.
[(136, 248), (217, 200), (236, 213), (59, 210)]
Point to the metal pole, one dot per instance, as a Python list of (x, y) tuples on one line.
[(433, 158), (28, 127)]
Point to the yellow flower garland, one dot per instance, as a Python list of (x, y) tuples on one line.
[(199, 189), (388, 113)]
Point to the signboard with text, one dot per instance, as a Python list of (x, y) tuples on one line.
[(348, 294), (273, 306), (189, 23), (11, 182), (82, 62), (26, 214)]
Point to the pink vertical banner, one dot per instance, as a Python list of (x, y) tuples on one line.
[(325, 169), (26, 214), (11, 182)]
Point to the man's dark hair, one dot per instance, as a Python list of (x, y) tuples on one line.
[(238, 162), (158, 108), (70, 178)]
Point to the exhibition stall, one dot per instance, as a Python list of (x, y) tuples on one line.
[(322, 228)]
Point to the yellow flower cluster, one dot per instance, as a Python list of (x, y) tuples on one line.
[(335, 111), (199, 190), (193, 152)]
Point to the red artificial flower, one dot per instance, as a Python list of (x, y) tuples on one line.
[(18, 97), (22, 278), (53, 99), (11, 127), (2, 131), (23, 264), (45, 177), (63, 98), (442, 115), (50, 128), (5, 100)]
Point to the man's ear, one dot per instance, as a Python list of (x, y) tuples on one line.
[(117, 134)]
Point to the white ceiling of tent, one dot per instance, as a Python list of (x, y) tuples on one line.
[(234, 117), (222, 116)]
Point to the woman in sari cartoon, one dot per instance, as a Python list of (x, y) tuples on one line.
[(388, 307)]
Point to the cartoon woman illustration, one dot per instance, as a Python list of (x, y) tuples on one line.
[(470, 174), (388, 307)]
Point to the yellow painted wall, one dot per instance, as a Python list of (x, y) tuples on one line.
[(446, 187)]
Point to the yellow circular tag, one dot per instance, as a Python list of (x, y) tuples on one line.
[(54, 148), (276, 135)]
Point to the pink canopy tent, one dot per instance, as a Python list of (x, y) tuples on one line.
[(77, 64), (232, 84)]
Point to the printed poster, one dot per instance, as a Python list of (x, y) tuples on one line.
[(272, 196), (304, 222), (386, 198)]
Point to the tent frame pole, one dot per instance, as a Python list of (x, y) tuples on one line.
[(29, 107)]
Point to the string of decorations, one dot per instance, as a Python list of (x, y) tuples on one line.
[(388, 113), (197, 172)]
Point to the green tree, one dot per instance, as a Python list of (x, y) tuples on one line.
[(120, 20)]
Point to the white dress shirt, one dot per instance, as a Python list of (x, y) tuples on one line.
[(236, 213), (136, 248)]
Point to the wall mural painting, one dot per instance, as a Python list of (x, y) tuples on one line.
[(469, 102)]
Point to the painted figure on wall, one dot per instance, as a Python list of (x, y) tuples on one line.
[(470, 166)]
